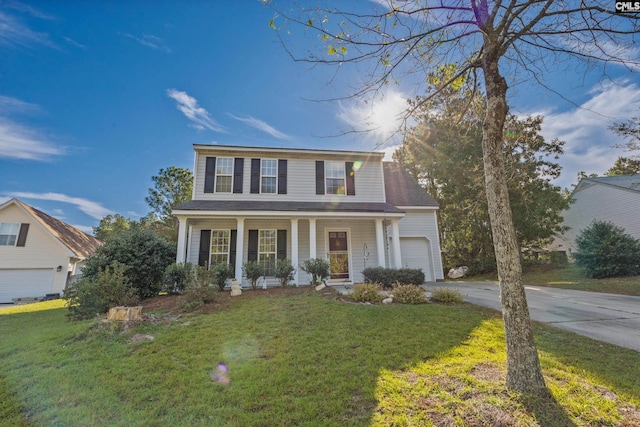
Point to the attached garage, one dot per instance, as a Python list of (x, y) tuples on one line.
[(416, 253), (21, 283)]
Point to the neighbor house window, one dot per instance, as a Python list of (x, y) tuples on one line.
[(224, 175), (9, 233), (219, 247), (334, 177), (268, 176), (267, 249)]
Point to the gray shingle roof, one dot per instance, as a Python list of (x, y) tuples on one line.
[(402, 190), (629, 182), (257, 205)]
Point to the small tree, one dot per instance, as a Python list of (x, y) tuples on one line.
[(318, 268), (177, 276), (253, 270), (605, 250), (284, 271), (221, 272)]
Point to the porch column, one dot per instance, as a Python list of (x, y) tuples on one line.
[(182, 240), (380, 242), (239, 248), (312, 238), (294, 248), (397, 258)]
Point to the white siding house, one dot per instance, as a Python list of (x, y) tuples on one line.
[(614, 199), (38, 253), (348, 207)]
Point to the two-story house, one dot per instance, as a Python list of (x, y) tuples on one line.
[(348, 207)]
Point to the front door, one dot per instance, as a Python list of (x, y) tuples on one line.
[(338, 256)]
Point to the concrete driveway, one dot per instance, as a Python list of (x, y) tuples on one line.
[(605, 317)]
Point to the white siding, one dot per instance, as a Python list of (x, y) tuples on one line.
[(41, 251), (603, 203), (301, 184), (422, 223)]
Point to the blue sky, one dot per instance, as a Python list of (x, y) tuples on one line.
[(97, 97)]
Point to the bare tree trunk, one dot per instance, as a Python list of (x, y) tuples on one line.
[(523, 367)]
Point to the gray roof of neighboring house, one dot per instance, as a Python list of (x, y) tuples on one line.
[(80, 243), (257, 205), (402, 189), (628, 182)]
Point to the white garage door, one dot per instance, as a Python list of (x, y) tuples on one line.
[(415, 254), (34, 282)]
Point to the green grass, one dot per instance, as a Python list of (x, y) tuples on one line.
[(302, 360)]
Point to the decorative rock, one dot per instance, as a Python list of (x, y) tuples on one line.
[(320, 287), (125, 314), (458, 272), (388, 300), (235, 288)]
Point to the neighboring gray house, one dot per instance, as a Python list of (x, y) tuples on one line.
[(349, 207), (609, 198), (38, 253)]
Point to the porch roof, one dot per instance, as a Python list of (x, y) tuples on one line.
[(220, 206)]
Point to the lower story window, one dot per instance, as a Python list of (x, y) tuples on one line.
[(219, 247), (267, 247)]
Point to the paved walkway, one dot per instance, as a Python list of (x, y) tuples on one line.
[(604, 317)]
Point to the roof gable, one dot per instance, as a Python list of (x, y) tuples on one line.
[(402, 190), (81, 244), (627, 182)]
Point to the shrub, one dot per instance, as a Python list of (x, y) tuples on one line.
[(144, 254), (367, 292), (253, 270), (318, 268), (284, 271), (201, 289), (605, 250), (90, 296), (176, 276), (447, 295), (220, 273), (409, 294), (387, 277)]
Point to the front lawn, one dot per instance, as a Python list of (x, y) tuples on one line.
[(301, 358)]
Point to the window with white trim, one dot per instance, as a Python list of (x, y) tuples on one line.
[(9, 233), (268, 176), (219, 247), (334, 177), (267, 250), (224, 174)]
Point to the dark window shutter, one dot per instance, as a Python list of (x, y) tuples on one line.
[(351, 179), (232, 249), (282, 244), (255, 176), (205, 245), (252, 254), (22, 236), (282, 176), (210, 175), (238, 170), (319, 177)]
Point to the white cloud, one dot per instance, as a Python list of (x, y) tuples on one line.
[(19, 141), (380, 119), (188, 105), (93, 209), (149, 40), (585, 130), (262, 126), (74, 43), (14, 33)]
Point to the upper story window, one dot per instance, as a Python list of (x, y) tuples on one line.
[(334, 177), (9, 233), (268, 176), (224, 175)]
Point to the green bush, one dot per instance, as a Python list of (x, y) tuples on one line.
[(318, 268), (367, 292), (284, 271), (447, 295), (201, 289), (387, 277), (221, 273), (409, 294), (253, 270), (91, 296), (176, 276), (144, 254), (605, 250)]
